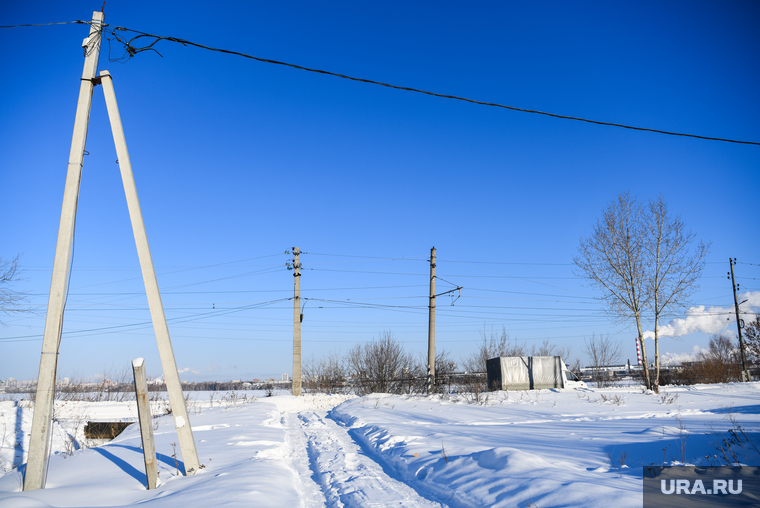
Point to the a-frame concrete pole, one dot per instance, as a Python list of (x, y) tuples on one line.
[(296, 387), (431, 326), (36, 466), (168, 363)]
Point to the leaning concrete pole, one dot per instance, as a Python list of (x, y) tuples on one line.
[(745, 373), (431, 326), (36, 467), (165, 350), (297, 323)]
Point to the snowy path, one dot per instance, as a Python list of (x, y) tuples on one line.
[(346, 475)]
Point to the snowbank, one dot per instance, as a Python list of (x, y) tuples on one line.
[(549, 448)]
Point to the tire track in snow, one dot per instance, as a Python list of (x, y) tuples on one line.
[(307, 487), (442, 494), (348, 477)]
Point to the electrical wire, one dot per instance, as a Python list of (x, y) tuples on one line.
[(502, 263), (131, 51), (403, 258), (79, 22), (164, 293), (180, 319), (448, 275), (524, 293)]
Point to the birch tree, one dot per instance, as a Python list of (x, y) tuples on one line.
[(614, 260), (675, 266), (641, 260)]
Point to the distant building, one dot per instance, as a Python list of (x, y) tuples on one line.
[(286, 377)]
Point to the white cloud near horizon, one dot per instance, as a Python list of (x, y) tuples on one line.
[(668, 359), (709, 320)]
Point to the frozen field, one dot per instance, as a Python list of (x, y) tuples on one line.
[(547, 448)]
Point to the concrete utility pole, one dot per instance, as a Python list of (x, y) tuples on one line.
[(431, 326), (36, 467), (297, 322), (146, 422), (745, 372), (161, 329)]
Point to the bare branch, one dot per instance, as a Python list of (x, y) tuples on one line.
[(612, 258), (602, 352), (11, 299), (493, 346)]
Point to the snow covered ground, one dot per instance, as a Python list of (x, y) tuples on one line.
[(547, 448)]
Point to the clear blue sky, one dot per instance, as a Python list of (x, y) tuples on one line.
[(237, 161)]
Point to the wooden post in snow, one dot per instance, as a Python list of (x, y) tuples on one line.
[(146, 424)]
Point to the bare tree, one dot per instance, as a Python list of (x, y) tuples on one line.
[(445, 367), (674, 266), (381, 366), (548, 349), (575, 367), (751, 335), (325, 375), (721, 349), (602, 352), (614, 260), (492, 346), (11, 299), (719, 364)]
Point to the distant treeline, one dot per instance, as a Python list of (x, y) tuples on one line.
[(104, 389)]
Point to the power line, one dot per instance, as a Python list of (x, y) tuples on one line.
[(505, 263), (448, 275), (404, 258), (180, 319), (175, 269), (131, 51), (363, 271), (140, 293), (79, 22), (525, 293)]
